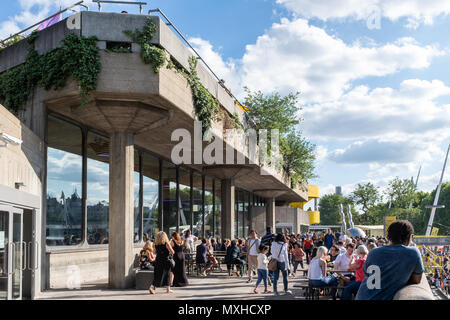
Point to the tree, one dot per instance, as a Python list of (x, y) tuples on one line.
[(329, 209), (274, 111), (298, 158), (365, 195), (401, 192)]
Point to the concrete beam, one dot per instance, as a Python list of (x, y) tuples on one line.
[(121, 210), (228, 203), (228, 171), (270, 193)]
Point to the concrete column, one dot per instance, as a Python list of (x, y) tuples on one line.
[(121, 210), (227, 214), (270, 213)]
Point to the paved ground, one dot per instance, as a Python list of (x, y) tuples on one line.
[(216, 286)]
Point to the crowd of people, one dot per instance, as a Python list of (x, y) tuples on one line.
[(350, 259)]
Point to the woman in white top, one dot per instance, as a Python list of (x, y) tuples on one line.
[(280, 253), (317, 271)]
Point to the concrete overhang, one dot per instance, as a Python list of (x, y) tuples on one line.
[(131, 97)]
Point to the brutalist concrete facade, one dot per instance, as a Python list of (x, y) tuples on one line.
[(134, 107)]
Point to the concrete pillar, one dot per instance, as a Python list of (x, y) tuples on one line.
[(121, 210), (228, 203), (270, 213)]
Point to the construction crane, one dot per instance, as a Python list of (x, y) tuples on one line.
[(436, 198)]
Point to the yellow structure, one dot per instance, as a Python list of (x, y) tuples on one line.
[(388, 220), (313, 194)]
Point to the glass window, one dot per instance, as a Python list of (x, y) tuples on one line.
[(150, 170), (169, 198), (218, 205), (197, 201), (97, 188), (137, 215), (184, 177), (209, 219), (64, 175)]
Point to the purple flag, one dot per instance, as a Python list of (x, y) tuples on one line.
[(50, 22)]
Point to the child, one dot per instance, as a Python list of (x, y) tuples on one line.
[(263, 271), (298, 254)]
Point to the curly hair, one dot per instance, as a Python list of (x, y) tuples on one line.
[(400, 231)]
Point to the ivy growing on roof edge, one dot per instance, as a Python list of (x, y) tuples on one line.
[(150, 54), (78, 57)]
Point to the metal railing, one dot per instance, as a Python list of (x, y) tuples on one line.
[(79, 3), (99, 3), (220, 81)]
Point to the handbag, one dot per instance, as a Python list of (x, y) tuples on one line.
[(273, 264), (171, 262)]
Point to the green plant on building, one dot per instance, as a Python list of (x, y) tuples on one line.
[(150, 54), (77, 58)]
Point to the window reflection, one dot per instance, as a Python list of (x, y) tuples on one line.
[(218, 205), (97, 189), (64, 174), (169, 198), (185, 199), (209, 219), (197, 201), (150, 170)]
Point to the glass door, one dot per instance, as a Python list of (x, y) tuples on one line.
[(11, 253), (4, 236)]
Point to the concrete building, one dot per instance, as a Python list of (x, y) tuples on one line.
[(90, 182)]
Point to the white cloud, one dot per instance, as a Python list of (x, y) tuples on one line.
[(294, 55), (416, 12), (383, 113)]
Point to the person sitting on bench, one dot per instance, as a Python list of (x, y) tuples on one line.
[(201, 258), (317, 272), (232, 257), (147, 256)]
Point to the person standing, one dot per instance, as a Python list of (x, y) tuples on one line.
[(267, 241), (263, 261), (252, 244), (298, 255), (307, 247), (179, 272), (162, 264), (329, 239), (189, 237), (280, 253)]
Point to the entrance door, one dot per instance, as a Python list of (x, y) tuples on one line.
[(11, 253)]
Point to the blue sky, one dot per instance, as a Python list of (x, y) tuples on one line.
[(375, 100)]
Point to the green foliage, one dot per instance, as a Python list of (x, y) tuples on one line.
[(365, 195), (329, 209), (275, 111), (78, 57), (150, 54), (206, 106), (11, 41), (236, 121), (298, 158), (401, 192)]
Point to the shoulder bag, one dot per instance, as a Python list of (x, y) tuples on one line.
[(273, 264)]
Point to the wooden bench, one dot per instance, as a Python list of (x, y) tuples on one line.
[(313, 293)]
